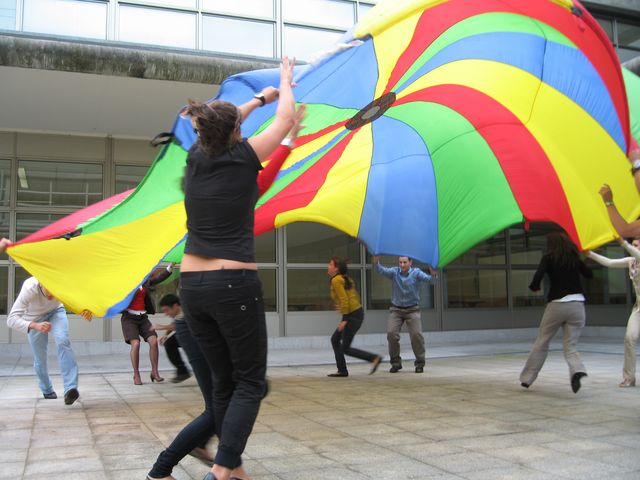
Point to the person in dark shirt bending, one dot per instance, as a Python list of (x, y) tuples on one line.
[(565, 308)]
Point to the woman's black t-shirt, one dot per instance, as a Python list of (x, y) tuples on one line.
[(220, 197)]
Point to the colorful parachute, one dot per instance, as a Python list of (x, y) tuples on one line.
[(433, 126), (632, 83)]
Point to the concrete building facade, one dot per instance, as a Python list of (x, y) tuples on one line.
[(87, 83)]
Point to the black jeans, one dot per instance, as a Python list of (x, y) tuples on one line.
[(341, 341), (225, 312), (200, 430), (171, 346)]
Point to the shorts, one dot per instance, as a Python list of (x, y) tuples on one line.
[(136, 326)]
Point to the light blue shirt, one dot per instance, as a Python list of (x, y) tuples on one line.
[(406, 288)]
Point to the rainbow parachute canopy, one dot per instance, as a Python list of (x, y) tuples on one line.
[(431, 127)]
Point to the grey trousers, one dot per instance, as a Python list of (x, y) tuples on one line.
[(571, 317), (411, 317)]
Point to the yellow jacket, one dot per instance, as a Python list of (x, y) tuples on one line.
[(347, 300)]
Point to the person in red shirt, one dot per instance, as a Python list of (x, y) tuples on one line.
[(135, 324)]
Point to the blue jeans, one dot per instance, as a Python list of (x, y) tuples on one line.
[(225, 313), (200, 430), (66, 358)]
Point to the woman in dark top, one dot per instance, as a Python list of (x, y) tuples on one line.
[(565, 308), (221, 291)]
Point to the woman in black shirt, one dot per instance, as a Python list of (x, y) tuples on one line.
[(565, 308), (221, 291)]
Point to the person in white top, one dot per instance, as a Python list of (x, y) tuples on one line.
[(633, 324), (36, 312)]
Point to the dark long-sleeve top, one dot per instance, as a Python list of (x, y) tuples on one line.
[(563, 280)]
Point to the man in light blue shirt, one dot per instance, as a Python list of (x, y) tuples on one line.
[(405, 307)]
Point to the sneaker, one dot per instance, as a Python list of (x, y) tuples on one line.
[(180, 377), (575, 381), (71, 396), (395, 368), (50, 396), (339, 374), (419, 369)]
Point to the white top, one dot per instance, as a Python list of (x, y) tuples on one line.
[(30, 305), (572, 297)]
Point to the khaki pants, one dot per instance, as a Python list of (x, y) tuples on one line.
[(571, 317), (630, 341), (411, 317)]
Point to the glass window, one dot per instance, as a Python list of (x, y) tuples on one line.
[(628, 34), (238, 36), (363, 9), (253, 8), (522, 296), (20, 276), (608, 285), (66, 17), (5, 182), (326, 12), (626, 54), (309, 290), (607, 26), (268, 277), (489, 252), (4, 288), (379, 287), (158, 27), (59, 184), (28, 223), (129, 176), (7, 16), (316, 243), (475, 288), (306, 43), (4, 231), (265, 245), (174, 3)]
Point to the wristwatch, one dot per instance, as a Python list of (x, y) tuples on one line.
[(260, 96), (635, 167)]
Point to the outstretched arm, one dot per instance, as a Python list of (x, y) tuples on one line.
[(609, 262), (624, 228), (384, 271), (161, 277), (267, 141)]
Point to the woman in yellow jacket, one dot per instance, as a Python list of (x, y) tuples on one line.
[(344, 294)]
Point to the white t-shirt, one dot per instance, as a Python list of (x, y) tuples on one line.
[(30, 305)]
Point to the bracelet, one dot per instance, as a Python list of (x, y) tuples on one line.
[(287, 142), (609, 204), (635, 167)]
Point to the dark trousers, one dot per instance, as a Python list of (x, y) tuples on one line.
[(341, 341), (171, 346), (225, 312), (200, 430)]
